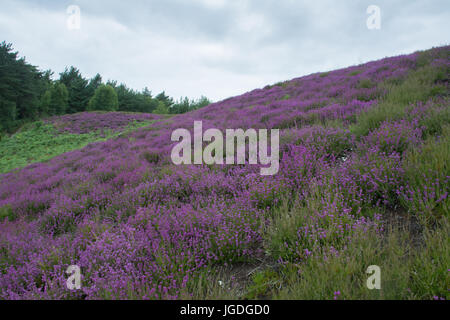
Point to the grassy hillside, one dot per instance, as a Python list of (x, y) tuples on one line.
[(42, 140), (363, 180)]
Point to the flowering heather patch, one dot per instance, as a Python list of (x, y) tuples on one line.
[(87, 122), (142, 228)]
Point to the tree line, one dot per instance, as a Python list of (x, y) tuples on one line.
[(27, 93)]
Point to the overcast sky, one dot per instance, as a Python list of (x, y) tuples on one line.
[(216, 48)]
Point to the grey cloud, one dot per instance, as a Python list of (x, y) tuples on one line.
[(214, 47)]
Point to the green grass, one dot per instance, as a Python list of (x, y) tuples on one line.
[(366, 83), (211, 284), (413, 266), (7, 213), (426, 170), (420, 85), (38, 142), (406, 271), (355, 73)]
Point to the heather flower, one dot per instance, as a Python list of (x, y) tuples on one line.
[(142, 228)]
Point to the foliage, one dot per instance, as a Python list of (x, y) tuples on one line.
[(21, 86), (185, 105), (105, 98)]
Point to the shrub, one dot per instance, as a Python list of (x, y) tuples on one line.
[(366, 83), (105, 98), (151, 157), (6, 212)]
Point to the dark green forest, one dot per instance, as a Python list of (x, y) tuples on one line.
[(28, 93)]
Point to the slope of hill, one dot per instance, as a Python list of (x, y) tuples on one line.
[(43, 140), (363, 181)]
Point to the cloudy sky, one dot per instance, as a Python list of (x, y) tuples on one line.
[(217, 48)]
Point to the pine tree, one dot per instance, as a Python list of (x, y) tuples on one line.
[(94, 83), (78, 88), (8, 114), (165, 99), (79, 95), (21, 86)]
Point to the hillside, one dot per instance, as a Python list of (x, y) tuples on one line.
[(363, 180), (42, 140)]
